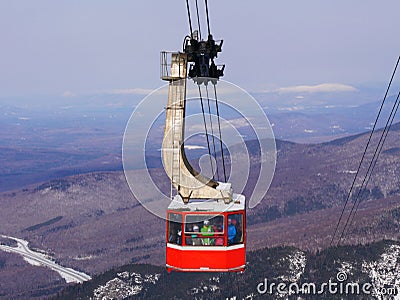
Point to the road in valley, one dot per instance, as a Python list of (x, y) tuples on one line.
[(39, 259)]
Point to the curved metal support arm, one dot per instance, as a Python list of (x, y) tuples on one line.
[(187, 181)]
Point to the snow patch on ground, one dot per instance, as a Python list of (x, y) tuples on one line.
[(124, 285), (348, 172), (32, 262), (89, 257), (346, 267), (297, 263), (211, 285), (384, 273)]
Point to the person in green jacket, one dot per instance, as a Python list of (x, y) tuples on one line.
[(207, 230)]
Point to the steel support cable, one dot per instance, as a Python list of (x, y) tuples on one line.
[(390, 125), (363, 156), (378, 150), (362, 159), (190, 19), (198, 18), (371, 167), (208, 19), (205, 128), (219, 130), (358, 203), (212, 134)]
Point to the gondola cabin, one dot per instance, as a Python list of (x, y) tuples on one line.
[(206, 235)]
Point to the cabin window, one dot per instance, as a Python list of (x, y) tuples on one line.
[(204, 230), (235, 229), (175, 228)]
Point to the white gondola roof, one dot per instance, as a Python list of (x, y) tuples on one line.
[(210, 205)]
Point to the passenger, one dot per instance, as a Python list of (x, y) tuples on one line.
[(189, 228), (231, 232), (179, 237), (238, 238), (196, 241), (207, 230), (219, 241), (174, 236), (188, 236)]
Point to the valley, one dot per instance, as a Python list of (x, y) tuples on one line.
[(92, 223)]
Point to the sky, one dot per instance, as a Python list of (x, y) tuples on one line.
[(81, 47)]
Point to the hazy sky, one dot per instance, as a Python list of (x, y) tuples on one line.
[(78, 47)]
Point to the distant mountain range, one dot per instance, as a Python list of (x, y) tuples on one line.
[(44, 138), (326, 120)]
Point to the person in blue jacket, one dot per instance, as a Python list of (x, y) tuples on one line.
[(231, 232)]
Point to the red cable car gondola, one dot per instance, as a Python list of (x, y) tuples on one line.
[(206, 236), (206, 221)]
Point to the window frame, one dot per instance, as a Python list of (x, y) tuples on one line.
[(241, 222), (175, 223), (212, 216)]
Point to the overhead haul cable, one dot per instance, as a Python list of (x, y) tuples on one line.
[(363, 156), (219, 130), (205, 128), (212, 133), (208, 19), (371, 167), (198, 18), (190, 19)]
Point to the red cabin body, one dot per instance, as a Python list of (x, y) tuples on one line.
[(206, 236)]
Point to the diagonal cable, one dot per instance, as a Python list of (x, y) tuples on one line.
[(208, 19), (219, 130), (372, 165), (212, 133), (198, 18), (190, 19), (205, 128), (363, 156)]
